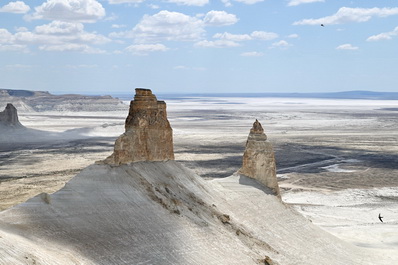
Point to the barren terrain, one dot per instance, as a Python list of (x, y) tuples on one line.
[(337, 159)]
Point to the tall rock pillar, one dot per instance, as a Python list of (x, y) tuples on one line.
[(259, 159), (148, 135), (9, 117)]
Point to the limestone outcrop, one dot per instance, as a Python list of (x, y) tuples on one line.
[(9, 117), (259, 159), (148, 135)]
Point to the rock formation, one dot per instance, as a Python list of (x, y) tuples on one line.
[(259, 159), (9, 117), (148, 135)]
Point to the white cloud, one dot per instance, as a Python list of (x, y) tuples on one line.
[(71, 47), (252, 54), (281, 44), (293, 36), (227, 3), (190, 2), (125, 1), (85, 11), (174, 26), (232, 37), (154, 6), (299, 2), (80, 66), (262, 35), (249, 2), (217, 44), (226, 39), (384, 36), (347, 14), (183, 67), (144, 49), (59, 28), (21, 29), (6, 36), (255, 35), (166, 26), (118, 26), (17, 7), (178, 2), (18, 66), (346, 47), (219, 18), (55, 36), (13, 48), (59, 33), (111, 17)]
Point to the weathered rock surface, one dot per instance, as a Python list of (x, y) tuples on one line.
[(163, 213), (259, 159), (148, 135), (9, 117), (39, 101)]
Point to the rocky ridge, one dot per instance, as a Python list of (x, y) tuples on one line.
[(259, 159), (148, 135)]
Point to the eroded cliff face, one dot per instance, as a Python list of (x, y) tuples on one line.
[(148, 135), (9, 117), (259, 159)]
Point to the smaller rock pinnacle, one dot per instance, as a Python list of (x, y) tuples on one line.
[(258, 159)]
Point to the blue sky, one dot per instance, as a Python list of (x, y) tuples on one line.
[(198, 46)]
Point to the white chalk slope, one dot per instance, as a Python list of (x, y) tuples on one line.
[(162, 213)]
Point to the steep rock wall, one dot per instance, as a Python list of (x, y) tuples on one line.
[(148, 135)]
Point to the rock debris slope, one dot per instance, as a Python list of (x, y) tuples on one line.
[(159, 212)]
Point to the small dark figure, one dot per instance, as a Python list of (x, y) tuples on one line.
[(322, 25), (380, 218)]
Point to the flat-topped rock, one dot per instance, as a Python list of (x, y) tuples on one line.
[(259, 159), (41, 101), (148, 135)]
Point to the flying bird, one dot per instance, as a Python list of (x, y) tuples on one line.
[(380, 218), (322, 25)]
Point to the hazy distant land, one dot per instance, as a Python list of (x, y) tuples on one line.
[(356, 94)]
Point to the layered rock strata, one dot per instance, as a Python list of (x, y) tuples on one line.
[(148, 135), (40, 101), (9, 117), (259, 159)]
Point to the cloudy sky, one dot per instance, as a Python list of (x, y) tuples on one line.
[(194, 46)]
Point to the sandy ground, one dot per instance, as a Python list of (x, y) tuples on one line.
[(337, 159)]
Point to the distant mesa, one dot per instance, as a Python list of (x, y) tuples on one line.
[(9, 117), (259, 159), (39, 101), (148, 135)]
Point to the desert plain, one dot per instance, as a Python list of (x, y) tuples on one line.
[(337, 159)]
